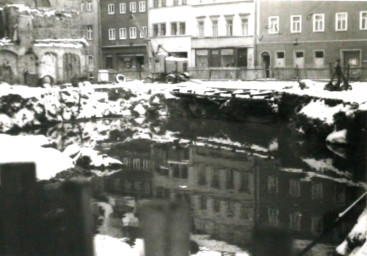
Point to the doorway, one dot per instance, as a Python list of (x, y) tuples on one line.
[(265, 57), (139, 66), (242, 57)]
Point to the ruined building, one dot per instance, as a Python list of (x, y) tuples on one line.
[(38, 43)]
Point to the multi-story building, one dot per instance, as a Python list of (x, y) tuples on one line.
[(170, 27), (90, 20), (311, 34), (123, 45), (223, 33)]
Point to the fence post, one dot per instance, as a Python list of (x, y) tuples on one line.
[(19, 209), (165, 228), (79, 223)]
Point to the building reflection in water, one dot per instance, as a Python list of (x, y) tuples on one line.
[(231, 191)]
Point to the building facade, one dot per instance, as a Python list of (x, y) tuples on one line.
[(311, 34), (123, 45), (223, 33)]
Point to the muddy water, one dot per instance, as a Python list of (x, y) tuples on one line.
[(234, 176)]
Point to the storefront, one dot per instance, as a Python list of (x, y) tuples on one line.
[(221, 57)]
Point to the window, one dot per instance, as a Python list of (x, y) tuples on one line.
[(318, 22), (273, 25), (319, 58), (173, 28), (155, 29), (272, 184), (122, 33), (132, 32), (201, 28), (175, 2), (111, 34), (82, 7), (122, 7), (229, 209), (202, 176), (132, 7), (216, 205), (280, 59), (215, 180), (202, 58), (363, 20), (230, 179), (90, 60), (203, 203), (164, 3), (156, 3), (182, 26), (89, 6), (341, 21), (229, 26), (339, 194), (184, 2), (316, 191), (142, 6), (144, 28), (245, 182), (163, 29), (295, 221), (316, 225), (111, 9), (294, 187), (296, 24), (244, 26), (215, 28), (227, 58), (89, 33)]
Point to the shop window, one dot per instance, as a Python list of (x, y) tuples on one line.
[(227, 58), (280, 60), (173, 28), (202, 58)]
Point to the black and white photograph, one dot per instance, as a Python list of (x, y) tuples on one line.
[(183, 127)]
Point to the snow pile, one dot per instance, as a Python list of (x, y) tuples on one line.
[(355, 243), (337, 137), (22, 106), (49, 161), (318, 109), (109, 246), (41, 12)]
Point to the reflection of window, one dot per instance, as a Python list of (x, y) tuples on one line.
[(273, 215), (341, 21), (111, 9), (215, 179), (202, 58), (122, 7), (296, 23), (216, 205), (122, 33), (294, 187), (295, 221), (202, 202), (111, 34), (363, 20), (244, 184), (318, 22), (229, 179), (316, 225), (272, 184), (316, 191), (273, 25)]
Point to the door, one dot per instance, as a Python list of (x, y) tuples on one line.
[(139, 66), (71, 64), (242, 57), (265, 57), (299, 59)]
